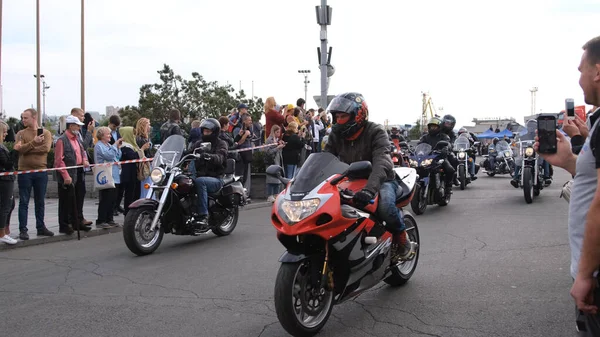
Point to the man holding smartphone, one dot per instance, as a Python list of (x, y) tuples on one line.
[(584, 205), (33, 144)]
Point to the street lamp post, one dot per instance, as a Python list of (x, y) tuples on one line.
[(533, 97), (306, 82), (324, 13), (44, 88), (37, 42), (82, 57)]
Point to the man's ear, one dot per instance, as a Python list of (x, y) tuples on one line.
[(597, 75)]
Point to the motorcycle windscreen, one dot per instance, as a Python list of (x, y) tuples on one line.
[(170, 152), (502, 146), (316, 168), (422, 149), (462, 144)]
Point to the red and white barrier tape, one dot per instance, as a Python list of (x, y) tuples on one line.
[(252, 148), (2, 174), (72, 167)]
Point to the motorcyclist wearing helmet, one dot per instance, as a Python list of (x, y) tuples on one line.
[(463, 131), (492, 153), (210, 167), (530, 135), (433, 136), (448, 124), (354, 138), (395, 134)]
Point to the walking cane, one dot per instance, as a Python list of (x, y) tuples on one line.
[(73, 196)]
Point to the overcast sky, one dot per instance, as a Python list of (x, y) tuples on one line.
[(476, 58)]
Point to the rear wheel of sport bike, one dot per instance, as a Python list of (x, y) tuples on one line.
[(404, 271), (419, 201), (137, 234), (462, 177), (301, 309), (228, 225), (528, 185)]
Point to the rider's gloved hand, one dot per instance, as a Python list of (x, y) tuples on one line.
[(206, 156), (363, 197)]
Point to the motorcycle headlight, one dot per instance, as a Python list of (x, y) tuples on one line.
[(157, 175), (413, 163), (461, 155), (507, 154), (529, 152), (426, 162), (299, 210), (395, 150)]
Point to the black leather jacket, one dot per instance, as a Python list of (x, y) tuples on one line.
[(217, 159), (434, 139)]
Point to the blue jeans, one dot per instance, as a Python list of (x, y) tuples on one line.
[(546, 166), (472, 167), (387, 209), (204, 186), (272, 189), (38, 181), (290, 170)]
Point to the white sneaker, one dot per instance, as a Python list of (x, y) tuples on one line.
[(8, 240), (271, 199)]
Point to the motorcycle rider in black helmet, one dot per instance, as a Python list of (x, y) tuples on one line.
[(210, 167), (448, 124), (354, 138), (395, 134), (492, 153), (433, 136)]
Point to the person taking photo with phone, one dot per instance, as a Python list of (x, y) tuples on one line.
[(33, 144)]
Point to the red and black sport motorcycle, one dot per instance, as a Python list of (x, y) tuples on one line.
[(335, 251)]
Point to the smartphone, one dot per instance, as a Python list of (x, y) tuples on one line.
[(547, 133), (570, 108), (40, 131)]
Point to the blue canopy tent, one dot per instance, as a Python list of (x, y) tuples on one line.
[(505, 132), (487, 134), (491, 134)]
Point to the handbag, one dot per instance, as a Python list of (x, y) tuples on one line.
[(103, 178)]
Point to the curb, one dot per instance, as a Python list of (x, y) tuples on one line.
[(61, 237), (97, 232)]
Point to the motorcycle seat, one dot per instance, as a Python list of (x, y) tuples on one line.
[(228, 179)]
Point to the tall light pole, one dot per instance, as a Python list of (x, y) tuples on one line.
[(533, 97), (44, 88), (306, 82), (324, 13), (37, 43), (82, 57)]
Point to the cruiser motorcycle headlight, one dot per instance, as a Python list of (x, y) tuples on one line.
[(299, 210), (529, 151), (157, 175), (507, 154), (461, 155), (426, 162)]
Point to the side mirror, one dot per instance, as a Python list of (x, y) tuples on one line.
[(276, 171), (359, 170)]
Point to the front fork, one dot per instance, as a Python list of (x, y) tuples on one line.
[(161, 202)]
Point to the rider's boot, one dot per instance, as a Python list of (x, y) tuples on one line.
[(455, 180), (402, 248), (547, 181), (201, 221), (515, 183)]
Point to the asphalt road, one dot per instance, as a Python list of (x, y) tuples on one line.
[(490, 265)]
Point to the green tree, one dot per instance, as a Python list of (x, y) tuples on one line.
[(129, 115), (195, 98), (415, 131)]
